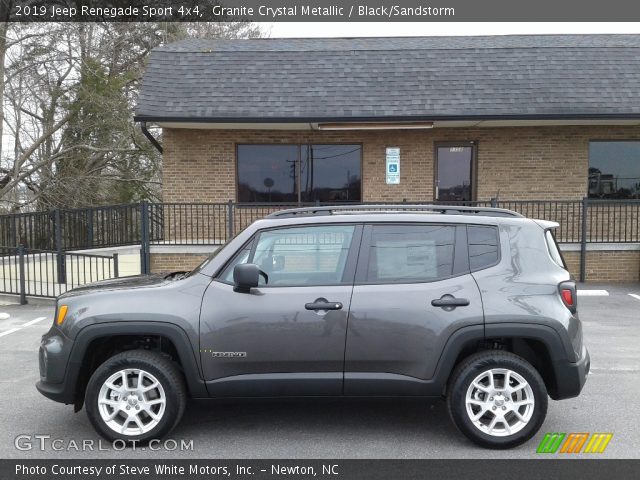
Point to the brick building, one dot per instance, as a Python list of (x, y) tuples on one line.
[(274, 121)]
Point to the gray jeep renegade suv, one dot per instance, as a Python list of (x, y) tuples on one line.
[(474, 305)]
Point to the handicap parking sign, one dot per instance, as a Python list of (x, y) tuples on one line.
[(393, 165)]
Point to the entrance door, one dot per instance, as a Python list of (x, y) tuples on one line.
[(454, 172)]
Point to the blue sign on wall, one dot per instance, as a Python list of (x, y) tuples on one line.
[(393, 165)]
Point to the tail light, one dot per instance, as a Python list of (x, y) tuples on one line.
[(568, 295)]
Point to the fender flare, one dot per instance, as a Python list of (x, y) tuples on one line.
[(466, 337), (176, 334)]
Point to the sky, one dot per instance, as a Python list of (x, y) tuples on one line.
[(395, 29)]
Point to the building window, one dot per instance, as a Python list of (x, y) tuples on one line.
[(614, 169), (305, 173)]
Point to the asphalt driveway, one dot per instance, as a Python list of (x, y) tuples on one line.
[(330, 428)]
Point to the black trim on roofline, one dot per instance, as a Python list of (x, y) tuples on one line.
[(399, 118)]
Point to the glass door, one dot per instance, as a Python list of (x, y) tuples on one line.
[(454, 170)]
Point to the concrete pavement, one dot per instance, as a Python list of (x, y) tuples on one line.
[(333, 428)]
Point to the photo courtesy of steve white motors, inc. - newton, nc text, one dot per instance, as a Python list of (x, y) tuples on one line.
[(305, 239)]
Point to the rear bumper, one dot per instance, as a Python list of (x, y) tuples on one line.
[(571, 377)]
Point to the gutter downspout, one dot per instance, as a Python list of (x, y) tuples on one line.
[(152, 139)]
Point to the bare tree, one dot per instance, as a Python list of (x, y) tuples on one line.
[(70, 91)]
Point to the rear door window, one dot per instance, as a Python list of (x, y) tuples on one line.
[(410, 253)]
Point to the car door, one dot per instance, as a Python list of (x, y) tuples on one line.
[(413, 289), (287, 336)]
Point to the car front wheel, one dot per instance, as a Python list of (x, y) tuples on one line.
[(497, 399), (135, 395)]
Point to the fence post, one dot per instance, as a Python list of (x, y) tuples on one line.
[(494, 203), (583, 239), (23, 291), (60, 261), (89, 227), (144, 238), (13, 230), (230, 226), (116, 272)]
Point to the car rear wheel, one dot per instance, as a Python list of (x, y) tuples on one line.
[(497, 399), (135, 396)]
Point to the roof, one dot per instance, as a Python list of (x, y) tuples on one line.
[(422, 78)]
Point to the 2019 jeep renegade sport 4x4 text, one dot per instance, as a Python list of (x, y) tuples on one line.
[(474, 305)]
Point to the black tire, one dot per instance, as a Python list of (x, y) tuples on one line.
[(473, 366), (167, 374)]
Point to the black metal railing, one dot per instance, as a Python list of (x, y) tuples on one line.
[(145, 224), (45, 273), (606, 221)]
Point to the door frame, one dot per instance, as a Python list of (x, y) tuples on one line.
[(474, 164)]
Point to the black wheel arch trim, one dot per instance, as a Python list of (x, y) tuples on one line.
[(467, 336), (88, 334)]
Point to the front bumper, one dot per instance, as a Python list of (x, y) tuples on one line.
[(570, 377), (56, 391), (53, 359)]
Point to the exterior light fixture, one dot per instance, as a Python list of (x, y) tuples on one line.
[(376, 126)]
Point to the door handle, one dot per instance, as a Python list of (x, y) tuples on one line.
[(322, 304), (450, 301)]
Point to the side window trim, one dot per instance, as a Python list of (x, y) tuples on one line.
[(460, 251), (348, 276), (460, 254)]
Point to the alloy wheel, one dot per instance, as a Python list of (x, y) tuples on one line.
[(131, 402), (500, 402)]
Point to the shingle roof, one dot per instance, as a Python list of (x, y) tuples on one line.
[(522, 76)]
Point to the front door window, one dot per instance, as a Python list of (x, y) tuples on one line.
[(454, 166)]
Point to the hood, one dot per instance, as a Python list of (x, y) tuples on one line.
[(126, 283)]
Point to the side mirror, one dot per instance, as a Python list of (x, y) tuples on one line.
[(245, 277)]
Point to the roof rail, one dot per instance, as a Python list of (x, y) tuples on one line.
[(397, 208)]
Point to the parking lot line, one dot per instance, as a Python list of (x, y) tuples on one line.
[(637, 297), (2, 334), (593, 293), (35, 320)]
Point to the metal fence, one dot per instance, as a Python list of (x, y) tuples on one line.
[(45, 273), (145, 224)]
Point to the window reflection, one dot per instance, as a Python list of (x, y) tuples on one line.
[(454, 173), (328, 173), (267, 173), (614, 169)]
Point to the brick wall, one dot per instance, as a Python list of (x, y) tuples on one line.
[(173, 262), (519, 162), (606, 266)]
